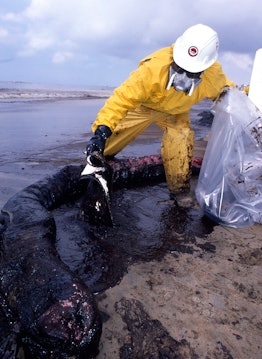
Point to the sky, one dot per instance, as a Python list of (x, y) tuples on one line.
[(99, 42)]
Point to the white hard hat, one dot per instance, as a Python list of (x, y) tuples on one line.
[(196, 49)]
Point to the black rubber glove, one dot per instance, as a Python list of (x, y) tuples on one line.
[(97, 142)]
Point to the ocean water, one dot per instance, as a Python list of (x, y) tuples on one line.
[(24, 91), (34, 117)]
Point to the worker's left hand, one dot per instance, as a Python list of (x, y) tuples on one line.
[(244, 88)]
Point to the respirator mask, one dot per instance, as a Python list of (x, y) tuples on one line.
[(182, 80)]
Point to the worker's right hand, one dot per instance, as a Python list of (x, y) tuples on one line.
[(97, 142)]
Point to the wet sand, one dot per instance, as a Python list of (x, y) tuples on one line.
[(39, 137), (200, 299)]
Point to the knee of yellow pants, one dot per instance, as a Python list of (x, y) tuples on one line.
[(135, 122), (121, 137), (176, 152)]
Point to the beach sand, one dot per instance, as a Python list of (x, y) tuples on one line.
[(202, 299)]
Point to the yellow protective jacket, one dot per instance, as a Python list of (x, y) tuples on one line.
[(147, 86)]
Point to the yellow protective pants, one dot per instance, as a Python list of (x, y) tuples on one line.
[(177, 142)]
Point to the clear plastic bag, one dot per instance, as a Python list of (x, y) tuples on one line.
[(229, 188)]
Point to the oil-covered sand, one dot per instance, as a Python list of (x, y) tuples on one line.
[(169, 283)]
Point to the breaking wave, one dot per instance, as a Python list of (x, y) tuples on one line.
[(23, 91)]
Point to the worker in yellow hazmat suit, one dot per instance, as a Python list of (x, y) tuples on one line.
[(162, 90)]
